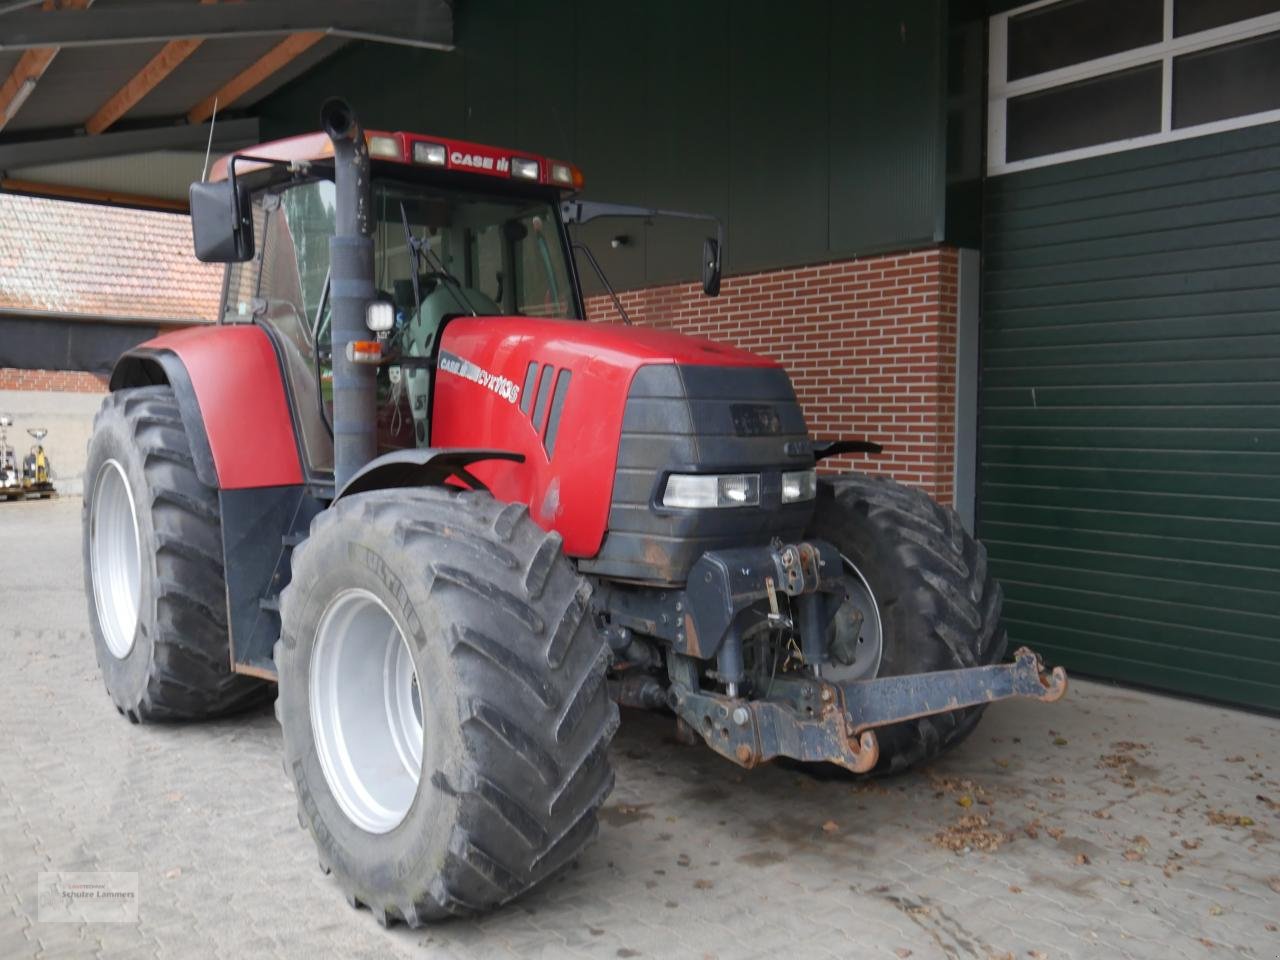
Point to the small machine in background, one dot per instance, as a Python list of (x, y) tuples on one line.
[(34, 478)]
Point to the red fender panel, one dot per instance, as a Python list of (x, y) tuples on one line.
[(239, 388)]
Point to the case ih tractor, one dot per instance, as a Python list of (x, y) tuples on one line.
[(455, 523)]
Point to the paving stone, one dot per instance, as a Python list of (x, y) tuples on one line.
[(1111, 809)]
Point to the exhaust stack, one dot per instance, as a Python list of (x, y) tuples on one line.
[(350, 291)]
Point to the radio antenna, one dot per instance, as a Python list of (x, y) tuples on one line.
[(213, 118)]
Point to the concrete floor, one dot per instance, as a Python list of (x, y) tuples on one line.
[(1113, 824)]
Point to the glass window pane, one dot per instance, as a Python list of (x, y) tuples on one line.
[(1192, 16), (1111, 107), (1228, 81), (1074, 31)]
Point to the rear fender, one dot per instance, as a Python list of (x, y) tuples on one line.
[(232, 399)]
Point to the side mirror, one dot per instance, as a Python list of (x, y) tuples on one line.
[(221, 222), (711, 267)]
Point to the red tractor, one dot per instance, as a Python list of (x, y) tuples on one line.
[(455, 523)]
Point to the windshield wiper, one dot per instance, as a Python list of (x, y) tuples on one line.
[(420, 248)]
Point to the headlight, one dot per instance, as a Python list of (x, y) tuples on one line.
[(710, 490), (379, 316), (527, 169), (799, 485)]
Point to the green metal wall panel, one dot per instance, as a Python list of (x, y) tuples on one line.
[(816, 130), (1129, 489)]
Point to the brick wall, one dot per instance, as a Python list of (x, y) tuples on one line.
[(870, 345), (69, 381)]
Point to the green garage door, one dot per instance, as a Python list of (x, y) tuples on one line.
[(1129, 485)]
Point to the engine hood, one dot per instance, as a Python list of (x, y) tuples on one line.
[(555, 391)]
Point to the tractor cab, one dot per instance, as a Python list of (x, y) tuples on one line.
[(458, 229)]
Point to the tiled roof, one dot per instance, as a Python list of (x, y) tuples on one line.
[(94, 261)]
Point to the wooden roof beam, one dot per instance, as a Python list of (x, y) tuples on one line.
[(26, 73), (143, 82), (275, 59)]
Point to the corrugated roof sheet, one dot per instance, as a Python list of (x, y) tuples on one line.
[(77, 259)]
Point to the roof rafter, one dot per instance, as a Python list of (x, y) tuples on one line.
[(275, 59), (143, 82), (26, 73), (422, 23)]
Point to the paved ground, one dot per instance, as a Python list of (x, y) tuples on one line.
[(1120, 825)]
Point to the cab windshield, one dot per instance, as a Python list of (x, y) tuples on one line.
[(489, 253)]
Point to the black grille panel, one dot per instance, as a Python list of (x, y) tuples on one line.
[(691, 419)]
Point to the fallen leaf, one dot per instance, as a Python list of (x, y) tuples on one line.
[(830, 827), (1132, 855), (1001, 763), (1205, 941), (703, 884), (1059, 741), (1125, 882), (1014, 888), (1216, 911), (1055, 832), (1101, 814), (1236, 759), (1037, 955), (1274, 884), (971, 832), (1082, 859), (1268, 802), (903, 952), (966, 801), (1191, 844), (1272, 928), (1223, 818), (1125, 746)]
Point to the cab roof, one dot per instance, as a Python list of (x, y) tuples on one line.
[(419, 150)]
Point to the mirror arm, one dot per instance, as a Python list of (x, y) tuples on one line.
[(595, 265)]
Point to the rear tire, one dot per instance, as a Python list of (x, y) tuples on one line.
[(153, 574), (939, 606), (508, 680)]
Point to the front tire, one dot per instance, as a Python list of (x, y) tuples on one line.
[(462, 608), (939, 607), (152, 549)]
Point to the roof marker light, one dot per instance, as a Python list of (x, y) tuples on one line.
[(525, 169), (384, 147), (432, 153), (561, 173)]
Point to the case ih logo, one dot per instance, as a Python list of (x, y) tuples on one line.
[(449, 363), (476, 161)]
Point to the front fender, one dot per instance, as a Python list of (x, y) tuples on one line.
[(232, 399), (431, 466)]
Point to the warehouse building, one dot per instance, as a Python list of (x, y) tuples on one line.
[(1030, 248)]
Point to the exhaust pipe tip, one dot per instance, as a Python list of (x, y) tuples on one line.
[(338, 120)]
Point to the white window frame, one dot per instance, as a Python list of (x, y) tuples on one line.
[(1000, 89)]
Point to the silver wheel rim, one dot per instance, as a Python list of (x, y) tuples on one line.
[(366, 711), (869, 645), (115, 558)]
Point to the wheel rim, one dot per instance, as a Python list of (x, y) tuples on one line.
[(868, 646), (366, 711), (115, 558)]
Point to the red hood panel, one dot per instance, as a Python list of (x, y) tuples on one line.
[(479, 402)]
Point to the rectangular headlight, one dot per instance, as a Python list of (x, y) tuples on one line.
[(379, 316), (562, 174), (709, 490), (526, 169), (432, 153), (799, 485), (386, 147)]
